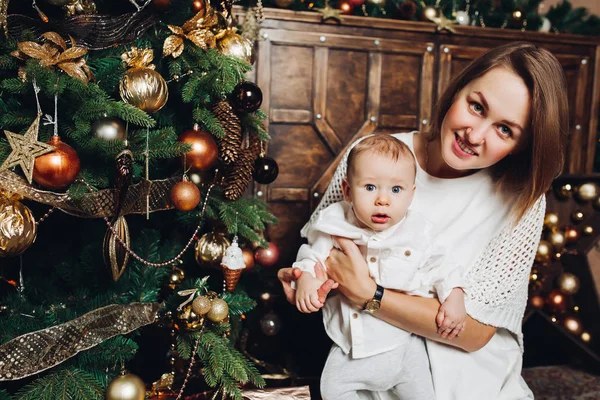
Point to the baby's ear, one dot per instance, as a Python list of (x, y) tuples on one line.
[(346, 190)]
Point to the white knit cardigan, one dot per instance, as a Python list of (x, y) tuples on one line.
[(499, 279)]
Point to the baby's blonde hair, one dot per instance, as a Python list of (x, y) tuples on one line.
[(381, 144)]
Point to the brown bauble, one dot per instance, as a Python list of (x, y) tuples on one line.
[(537, 301), (248, 255), (197, 6), (267, 257), (204, 153), (557, 301), (57, 169), (185, 196)]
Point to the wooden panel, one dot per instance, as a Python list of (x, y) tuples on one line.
[(453, 59), (291, 81), (292, 217)]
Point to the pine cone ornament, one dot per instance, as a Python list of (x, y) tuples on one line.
[(239, 174), (230, 146)]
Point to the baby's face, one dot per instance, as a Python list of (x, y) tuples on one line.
[(380, 189)]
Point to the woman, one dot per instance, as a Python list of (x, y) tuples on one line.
[(494, 147)]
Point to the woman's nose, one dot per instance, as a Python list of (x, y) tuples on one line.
[(476, 135)]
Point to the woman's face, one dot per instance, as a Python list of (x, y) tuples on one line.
[(486, 122)]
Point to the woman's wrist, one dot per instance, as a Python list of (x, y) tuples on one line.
[(365, 292)]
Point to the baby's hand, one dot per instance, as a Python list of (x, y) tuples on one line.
[(307, 298), (452, 315)]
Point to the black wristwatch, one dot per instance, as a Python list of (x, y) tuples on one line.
[(373, 305)]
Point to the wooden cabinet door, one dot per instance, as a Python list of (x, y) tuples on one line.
[(321, 91), (580, 151)]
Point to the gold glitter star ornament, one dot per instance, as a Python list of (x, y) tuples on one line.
[(25, 148)]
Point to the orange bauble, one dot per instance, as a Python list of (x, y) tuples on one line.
[(204, 151), (248, 255), (57, 169), (267, 257), (185, 196)]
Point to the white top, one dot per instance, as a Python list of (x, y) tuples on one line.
[(472, 220), (401, 257)]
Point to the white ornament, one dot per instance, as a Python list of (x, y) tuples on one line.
[(233, 258), (462, 18), (546, 25)]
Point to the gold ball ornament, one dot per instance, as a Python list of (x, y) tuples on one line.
[(346, 8), (551, 220), (557, 238), (571, 235), (108, 129), (144, 88), (177, 276), (568, 283), (429, 13), (17, 227), (218, 311), (57, 169), (201, 305), (234, 45), (517, 15), (197, 6), (188, 320), (126, 387), (573, 324), (185, 196), (564, 192), (588, 230), (587, 191), (586, 337), (210, 248), (577, 216), (543, 252)]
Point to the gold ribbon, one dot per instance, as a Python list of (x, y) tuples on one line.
[(138, 58), (54, 52), (203, 29), (187, 292)]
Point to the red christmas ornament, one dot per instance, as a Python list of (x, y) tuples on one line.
[(57, 169), (356, 3), (267, 257), (204, 151)]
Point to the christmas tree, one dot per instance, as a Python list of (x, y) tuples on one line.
[(130, 138)]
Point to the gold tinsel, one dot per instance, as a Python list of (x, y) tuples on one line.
[(3, 14), (230, 146), (54, 52)]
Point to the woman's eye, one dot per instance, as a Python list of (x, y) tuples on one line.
[(478, 108), (396, 189), (370, 188), (505, 130)]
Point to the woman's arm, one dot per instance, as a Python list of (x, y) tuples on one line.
[(411, 313)]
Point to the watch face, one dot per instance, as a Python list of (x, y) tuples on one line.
[(372, 306)]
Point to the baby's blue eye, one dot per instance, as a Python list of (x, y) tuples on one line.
[(370, 188), (396, 189)]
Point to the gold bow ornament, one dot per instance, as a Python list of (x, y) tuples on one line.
[(54, 53)]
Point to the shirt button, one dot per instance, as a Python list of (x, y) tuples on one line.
[(355, 315), (407, 253), (372, 259)]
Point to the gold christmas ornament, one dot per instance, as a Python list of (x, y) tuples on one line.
[(3, 14), (543, 252), (568, 283), (587, 192), (17, 227), (25, 148), (211, 247), (571, 235), (577, 216), (109, 128), (54, 52), (564, 192), (551, 220), (177, 276), (141, 86), (234, 45), (126, 387), (218, 311), (557, 239), (586, 337), (115, 255), (573, 324), (200, 30), (80, 7), (588, 230), (329, 12), (189, 320), (201, 305), (429, 13), (185, 195)]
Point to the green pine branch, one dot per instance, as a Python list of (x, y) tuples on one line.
[(65, 384), (4, 395), (238, 303)]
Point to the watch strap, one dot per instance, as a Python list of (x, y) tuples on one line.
[(378, 293)]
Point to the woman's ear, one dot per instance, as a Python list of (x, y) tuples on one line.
[(346, 191)]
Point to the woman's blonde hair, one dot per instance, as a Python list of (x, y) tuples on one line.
[(529, 172)]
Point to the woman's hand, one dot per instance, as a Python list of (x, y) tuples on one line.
[(349, 269), (287, 275)]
